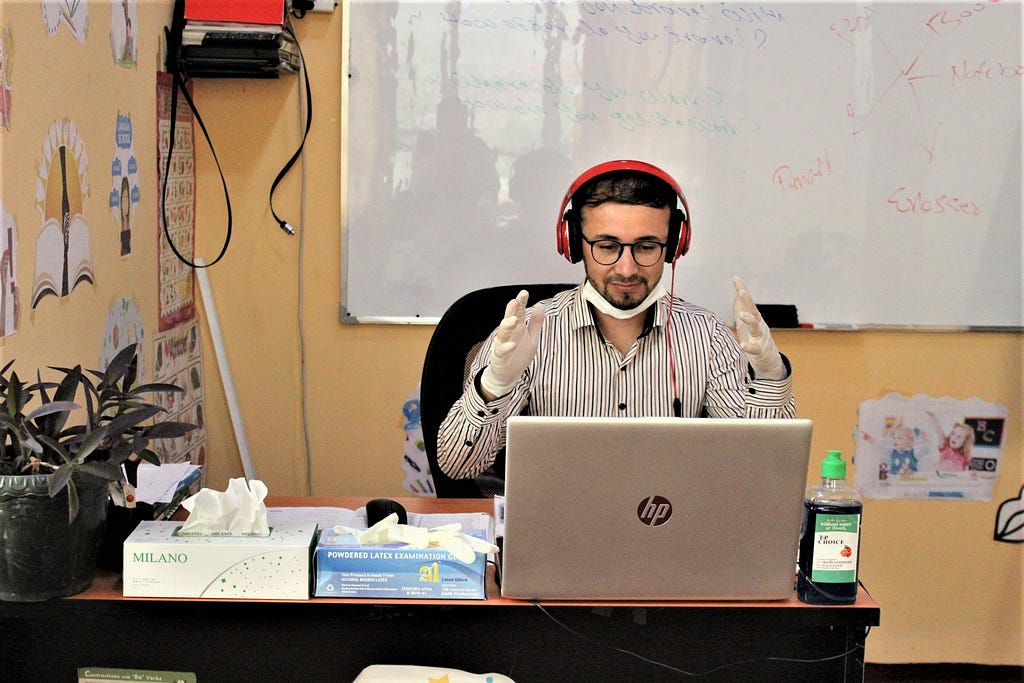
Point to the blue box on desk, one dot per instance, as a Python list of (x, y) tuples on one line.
[(345, 569)]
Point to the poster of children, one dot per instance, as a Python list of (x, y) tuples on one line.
[(924, 447)]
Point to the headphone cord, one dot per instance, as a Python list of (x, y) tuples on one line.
[(284, 225), (677, 403)]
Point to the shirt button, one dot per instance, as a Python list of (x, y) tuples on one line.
[(480, 413), (751, 390), (622, 406), (494, 411), (467, 443)]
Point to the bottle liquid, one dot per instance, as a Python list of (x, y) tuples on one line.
[(830, 538)]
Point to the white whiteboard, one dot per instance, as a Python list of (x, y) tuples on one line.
[(861, 161)]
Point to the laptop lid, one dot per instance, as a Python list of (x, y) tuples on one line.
[(653, 508)]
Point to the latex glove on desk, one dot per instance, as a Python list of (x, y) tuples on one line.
[(754, 336), (448, 536), (513, 349)]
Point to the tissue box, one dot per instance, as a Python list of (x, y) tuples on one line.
[(160, 563), (345, 569)]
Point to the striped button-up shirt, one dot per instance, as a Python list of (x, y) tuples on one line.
[(577, 372)]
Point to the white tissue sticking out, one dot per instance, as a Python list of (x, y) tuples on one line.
[(449, 536), (238, 511)]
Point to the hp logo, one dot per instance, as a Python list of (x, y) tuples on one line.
[(654, 510)]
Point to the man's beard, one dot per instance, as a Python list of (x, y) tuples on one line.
[(627, 300)]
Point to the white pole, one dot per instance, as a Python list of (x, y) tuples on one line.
[(225, 370)]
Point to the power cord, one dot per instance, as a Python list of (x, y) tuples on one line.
[(301, 287), (178, 84), (298, 9), (706, 672), (284, 225), (831, 597)]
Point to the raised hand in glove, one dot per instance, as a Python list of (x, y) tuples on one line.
[(754, 336), (513, 349)]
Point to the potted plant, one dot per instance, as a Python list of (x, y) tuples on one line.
[(55, 473)]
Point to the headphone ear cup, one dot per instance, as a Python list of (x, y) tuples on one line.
[(573, 235), (562, 236), (672, 245), (684, 236)]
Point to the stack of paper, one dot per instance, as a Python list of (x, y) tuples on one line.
[(166, 485)]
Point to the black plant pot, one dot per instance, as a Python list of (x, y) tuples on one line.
[(43, 556)]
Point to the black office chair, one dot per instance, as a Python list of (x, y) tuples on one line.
[(455, 342)]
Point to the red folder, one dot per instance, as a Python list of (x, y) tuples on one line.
[(242, 11)]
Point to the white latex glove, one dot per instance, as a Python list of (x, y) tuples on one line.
[(514, 347), (754, 336), (448, 536)]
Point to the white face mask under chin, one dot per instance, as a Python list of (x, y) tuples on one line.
[(600, 303)]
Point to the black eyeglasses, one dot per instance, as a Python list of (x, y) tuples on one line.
[(607, 252)]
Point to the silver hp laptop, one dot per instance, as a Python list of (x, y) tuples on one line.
[(653, 508)]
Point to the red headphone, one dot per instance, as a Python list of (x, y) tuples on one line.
[(569, 232)]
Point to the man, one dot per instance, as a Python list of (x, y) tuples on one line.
[(619, 344)]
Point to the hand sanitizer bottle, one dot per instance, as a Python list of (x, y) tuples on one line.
[(830, 538)]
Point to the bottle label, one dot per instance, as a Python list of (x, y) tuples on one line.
[(835, 548)]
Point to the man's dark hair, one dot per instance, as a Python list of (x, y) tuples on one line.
[(625, 187)]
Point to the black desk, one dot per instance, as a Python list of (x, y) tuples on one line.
[(332, 640)]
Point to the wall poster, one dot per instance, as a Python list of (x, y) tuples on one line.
[(177, 284), (924, 447), (178, 359), (63, 255)]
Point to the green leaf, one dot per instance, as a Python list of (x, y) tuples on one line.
[(121, 451), (92, 440), (56, 446), (14, 391), (72, 501), (78, 431), (44, 396), (119, 365), (53, 407), (31, 443), (95, 373), (68, 386), (131, 374), (156, 386), (103, 469), (92, 401), (168, 430), (60, 478), (149, 456), (125, 421)]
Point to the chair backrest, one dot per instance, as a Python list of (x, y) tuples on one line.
[(456, 340)]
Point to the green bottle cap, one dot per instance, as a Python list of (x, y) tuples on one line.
[(833, 466)]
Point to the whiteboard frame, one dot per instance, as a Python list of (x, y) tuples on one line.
[(346, 317)]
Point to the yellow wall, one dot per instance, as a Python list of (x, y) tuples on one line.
[(948, 592), (53, 78)]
